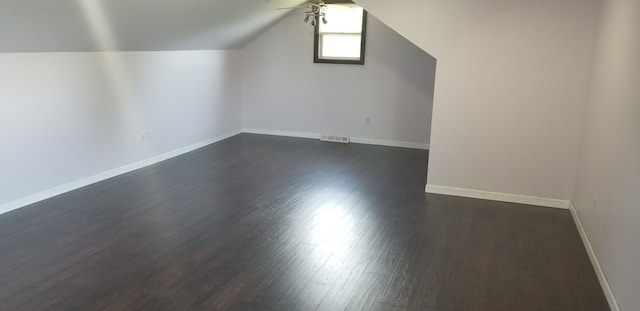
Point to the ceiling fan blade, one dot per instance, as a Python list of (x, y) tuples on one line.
[(339, 2), (315, 3), (294, 7), (320, 4)]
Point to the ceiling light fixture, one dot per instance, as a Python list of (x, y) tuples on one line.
[(315, 15), (315, 12), (315, 8)]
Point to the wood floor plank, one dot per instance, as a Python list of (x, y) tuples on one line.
[(260, 222)]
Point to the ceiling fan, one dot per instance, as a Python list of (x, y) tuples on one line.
[(315, 9)]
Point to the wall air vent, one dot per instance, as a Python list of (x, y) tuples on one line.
[(336, 138)]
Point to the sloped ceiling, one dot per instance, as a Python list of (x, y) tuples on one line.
[(134, 25)]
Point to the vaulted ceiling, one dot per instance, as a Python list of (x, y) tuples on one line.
[(134, 25)]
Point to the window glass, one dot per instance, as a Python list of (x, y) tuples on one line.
[(340, 46), (342, 19), (341, 39)]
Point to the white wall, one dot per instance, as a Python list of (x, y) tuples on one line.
[(285, 91), (510, 89), (607, 193), (67, 116)]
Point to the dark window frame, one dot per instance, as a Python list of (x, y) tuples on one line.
[(363, 41)]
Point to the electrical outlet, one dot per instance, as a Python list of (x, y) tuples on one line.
[(145, 137), (141, 138)]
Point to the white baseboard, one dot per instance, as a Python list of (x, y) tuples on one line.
[(390, 143), (497, 196), (613, 304), (355, 140), (58, 190), (281, 133)]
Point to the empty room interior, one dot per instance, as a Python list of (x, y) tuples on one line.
[(320, 155)]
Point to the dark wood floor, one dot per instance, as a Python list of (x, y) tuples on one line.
[(270, 223)]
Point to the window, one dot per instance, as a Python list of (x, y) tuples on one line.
[(342, 39)]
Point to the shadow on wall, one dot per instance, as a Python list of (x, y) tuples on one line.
[(415, 72)]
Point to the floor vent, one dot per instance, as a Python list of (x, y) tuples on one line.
[(336, 138)]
